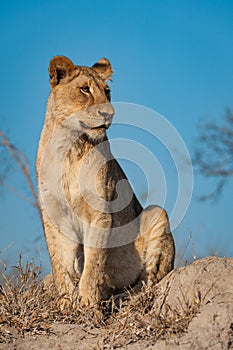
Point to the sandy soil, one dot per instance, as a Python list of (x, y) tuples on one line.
[(207, 283)]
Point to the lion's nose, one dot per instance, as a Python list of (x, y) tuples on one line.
[(107, 116)]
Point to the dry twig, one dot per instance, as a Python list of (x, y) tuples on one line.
[(23, 164)]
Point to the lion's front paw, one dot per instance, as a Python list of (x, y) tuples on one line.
[(89, 294), (85, 302)]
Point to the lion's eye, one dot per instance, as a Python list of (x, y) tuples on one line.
[(108, 93), (85, 89)]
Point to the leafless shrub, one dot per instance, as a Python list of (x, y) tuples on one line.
[(213, 154)]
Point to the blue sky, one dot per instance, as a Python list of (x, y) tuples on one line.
[(174, 57)]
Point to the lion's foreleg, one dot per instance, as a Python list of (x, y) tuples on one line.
[(92, 283), (66, 259)]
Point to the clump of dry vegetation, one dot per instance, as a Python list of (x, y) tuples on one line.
[(148, 314), (27, 304)]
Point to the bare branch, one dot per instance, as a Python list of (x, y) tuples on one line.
[(23, 164), (213, 156), (16, 192)]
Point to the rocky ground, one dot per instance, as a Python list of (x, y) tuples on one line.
[(191, 308)]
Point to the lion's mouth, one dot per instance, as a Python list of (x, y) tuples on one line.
[(102, 126)]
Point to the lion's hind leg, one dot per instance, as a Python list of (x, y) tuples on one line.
[(155, 245)]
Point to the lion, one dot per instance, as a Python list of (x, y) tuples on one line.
[(97, 232)]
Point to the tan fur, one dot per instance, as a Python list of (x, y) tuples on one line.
[(90, 176)]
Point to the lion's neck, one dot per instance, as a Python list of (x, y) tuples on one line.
[(84, 144)]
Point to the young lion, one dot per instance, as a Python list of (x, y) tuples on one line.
[(95, 228)]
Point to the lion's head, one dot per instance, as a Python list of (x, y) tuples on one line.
[(82, 91)]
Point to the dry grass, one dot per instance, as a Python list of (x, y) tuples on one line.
[(27, 306), (148, 316)]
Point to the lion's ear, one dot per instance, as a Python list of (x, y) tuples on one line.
[(103, 68), (59, 68)]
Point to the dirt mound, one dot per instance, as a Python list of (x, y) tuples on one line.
[(209, 283), (191, 308)]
